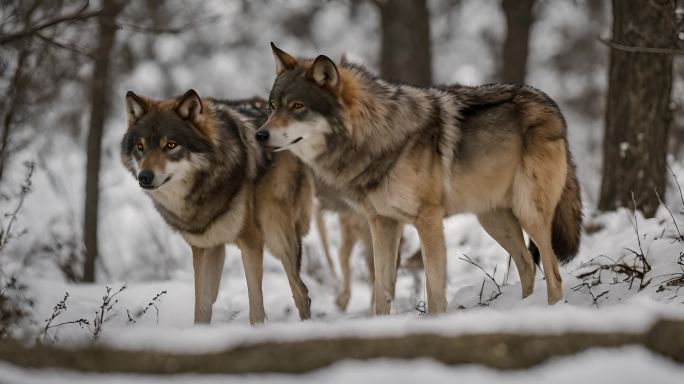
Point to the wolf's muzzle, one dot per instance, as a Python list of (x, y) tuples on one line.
[(262, 135), (145, 178)]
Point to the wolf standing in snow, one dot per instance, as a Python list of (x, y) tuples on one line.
[(198, 161), (404, 154)]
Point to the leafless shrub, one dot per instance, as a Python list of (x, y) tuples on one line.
[(58, 309), (14, 305), (594, 298), (152, 304), (102, 314), (496, 293), (6, 231), (674, 281), (95, 327)]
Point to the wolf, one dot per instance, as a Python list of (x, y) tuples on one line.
[(209, 179), (407, 154)]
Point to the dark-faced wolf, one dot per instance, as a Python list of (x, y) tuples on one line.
[(199, 162), (405, 154)]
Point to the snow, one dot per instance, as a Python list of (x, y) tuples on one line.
[(139, 251), (629, 365), (621, 308)]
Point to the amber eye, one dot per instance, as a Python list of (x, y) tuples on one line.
[(140, 147), (297, 106), (171, 145)]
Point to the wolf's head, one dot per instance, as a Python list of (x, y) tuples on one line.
[(305, 104), (166, 140)]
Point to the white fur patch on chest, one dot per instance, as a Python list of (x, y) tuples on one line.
[(225, 229)]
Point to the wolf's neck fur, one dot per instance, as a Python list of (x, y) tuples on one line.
[(380, 120)]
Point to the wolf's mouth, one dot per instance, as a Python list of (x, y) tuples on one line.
[(278, 149), (153, 187)]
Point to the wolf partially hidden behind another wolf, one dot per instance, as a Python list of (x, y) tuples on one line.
[(199, 162), (405, 154)]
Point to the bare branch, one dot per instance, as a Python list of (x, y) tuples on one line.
[(637, 49), (168, 30), (78, 15), (65, 46)]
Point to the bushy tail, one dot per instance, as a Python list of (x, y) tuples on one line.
[(567, 221)]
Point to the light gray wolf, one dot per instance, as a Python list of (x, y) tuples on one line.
[(406, 154), (208, 178)]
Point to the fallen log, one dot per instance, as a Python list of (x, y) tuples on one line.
[(496, 350)]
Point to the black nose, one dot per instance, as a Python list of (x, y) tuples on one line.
[(262, 135), (145, 177)]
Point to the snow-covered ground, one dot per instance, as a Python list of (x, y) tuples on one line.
[(608, 300)]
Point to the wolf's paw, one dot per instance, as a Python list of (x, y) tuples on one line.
[(555, 298), (305, 310), (342, 301)]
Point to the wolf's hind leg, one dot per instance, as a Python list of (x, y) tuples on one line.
[(431, 233), (323, 234), (208, 265), (286, 245), (540, 233), (348, 240), (386, 234), (503, 227), (251, 246)]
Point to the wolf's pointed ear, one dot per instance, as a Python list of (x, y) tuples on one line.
[(136, 107), (282, 59), (189, 107), (324, 72)]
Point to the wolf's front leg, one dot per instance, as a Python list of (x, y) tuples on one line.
[(429, 225), (386, 233), (251, 246), (208, 265)]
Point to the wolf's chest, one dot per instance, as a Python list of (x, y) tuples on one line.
[(205, 225)]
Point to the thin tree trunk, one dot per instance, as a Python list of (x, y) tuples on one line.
[(519, 20), (405, 53), (14, 99), (99, 97), (638, 112)]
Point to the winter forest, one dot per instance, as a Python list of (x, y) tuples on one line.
[(95, 284)]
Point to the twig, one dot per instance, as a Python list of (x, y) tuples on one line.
[(70, 47), (105, 307), (681, 195), (78, 15), (508, 270), (25, 189), (593, 298), (152, 304), (670, 212), (169, 30), (638, 49), (498, 288)]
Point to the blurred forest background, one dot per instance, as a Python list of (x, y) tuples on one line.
[(65, 66)]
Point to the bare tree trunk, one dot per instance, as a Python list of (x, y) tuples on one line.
[(14, 99), (99, 97), (405, 53), (519, 20), (638, 113)]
